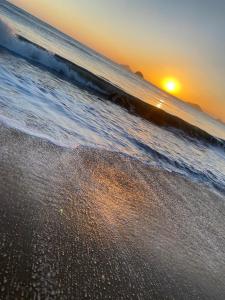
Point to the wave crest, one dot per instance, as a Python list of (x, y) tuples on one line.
[(35, 53), (87, 80)]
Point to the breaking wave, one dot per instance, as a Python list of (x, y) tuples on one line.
[(37, 54), (87, 80)]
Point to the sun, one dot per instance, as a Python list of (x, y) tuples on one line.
[(171, 85)]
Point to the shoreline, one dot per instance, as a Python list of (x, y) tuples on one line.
[(88, 223), (133, 105)]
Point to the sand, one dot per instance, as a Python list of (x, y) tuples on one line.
[(86, 223)]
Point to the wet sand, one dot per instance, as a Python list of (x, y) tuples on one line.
[(93, 224)]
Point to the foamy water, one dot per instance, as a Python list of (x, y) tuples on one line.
[(96, 201), (42, 103)]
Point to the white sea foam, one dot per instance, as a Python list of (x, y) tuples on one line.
[(10, 41)]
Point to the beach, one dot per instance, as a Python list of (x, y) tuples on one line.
[(86, 223), (110, 187)]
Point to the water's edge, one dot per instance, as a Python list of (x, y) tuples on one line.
[(103, 88)]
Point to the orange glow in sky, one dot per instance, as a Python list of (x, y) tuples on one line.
[(171, 85), (182, 38)]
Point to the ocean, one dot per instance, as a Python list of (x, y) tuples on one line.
[(110, 187)]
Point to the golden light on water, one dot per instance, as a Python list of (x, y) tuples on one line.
[(160, 104), (171, 85)]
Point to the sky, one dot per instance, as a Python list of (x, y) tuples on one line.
[(161, 38)]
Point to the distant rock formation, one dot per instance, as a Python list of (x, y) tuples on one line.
[(127, 68), (195, 106), (220, 121), (138, 73)]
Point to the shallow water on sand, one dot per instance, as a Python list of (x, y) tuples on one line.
[(42, 104), (97, 202), (44, 97), (87, 223)]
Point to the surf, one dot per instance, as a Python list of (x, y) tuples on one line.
[(99, 86)]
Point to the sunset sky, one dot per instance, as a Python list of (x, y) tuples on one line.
[(162, 38)]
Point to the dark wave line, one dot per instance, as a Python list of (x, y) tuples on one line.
[(134, 105), (94, 84), (201, 177)]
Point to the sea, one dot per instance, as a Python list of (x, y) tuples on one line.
[(147, 195)]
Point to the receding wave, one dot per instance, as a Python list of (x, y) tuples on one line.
[(205, 177), (91, 224), (95, 84)]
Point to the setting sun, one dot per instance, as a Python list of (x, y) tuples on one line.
[(171, 85)]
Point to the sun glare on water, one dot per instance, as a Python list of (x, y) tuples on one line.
[(171, 85)]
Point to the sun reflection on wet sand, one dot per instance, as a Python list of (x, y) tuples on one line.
[(100, 224)]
